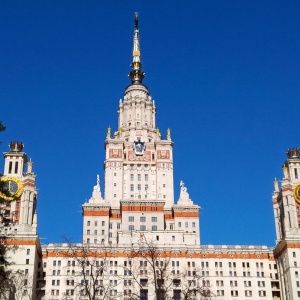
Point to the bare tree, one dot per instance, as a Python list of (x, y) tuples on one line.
[(194, 285), (93, 273), (21, 286), (156, 275), (7, 275), (151, 271)]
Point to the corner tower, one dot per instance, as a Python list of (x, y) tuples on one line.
[(19, 193), (18, 217), (286, 203)]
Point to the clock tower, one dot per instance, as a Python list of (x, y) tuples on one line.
[(18, 217), (286, 203)]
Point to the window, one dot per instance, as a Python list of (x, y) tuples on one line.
[(220, 283), (154, 228), (262, 293), (115, 184), (131, 227), (193, 224), (16, 167), (103, 223), (146, 177), (110, 234), (139, 177), (143, 227), (234, 293), (10, 167), (139, 187), (118, 225), (247, 283), (54, 263), (294, 254), (131, 219), (28, 251), (59, 263), (146, 187), (164, 185), (179, 224), (186, 224), (131, 177), (131, 187), (88, 241), (95, 232), (110, 225), (173, 238), (154, 219), (88, 232), (88, 223), (233, 283), (115, 195)]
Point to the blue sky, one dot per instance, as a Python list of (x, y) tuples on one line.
[(225, 77)]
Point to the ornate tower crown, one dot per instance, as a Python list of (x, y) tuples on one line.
[(293, 153), (16, 146)]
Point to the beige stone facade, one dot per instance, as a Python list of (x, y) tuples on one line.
[(136, 236)]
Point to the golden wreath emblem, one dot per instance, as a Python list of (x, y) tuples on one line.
[(297, 193), (11, 189)]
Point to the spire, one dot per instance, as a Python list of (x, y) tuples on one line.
[(136, 74)]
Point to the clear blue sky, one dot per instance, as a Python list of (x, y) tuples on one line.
[(225, 77)]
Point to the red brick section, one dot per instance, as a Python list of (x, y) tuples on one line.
[(162, 255), (285, 247), (96, 213), (142, 208), (186, 214), (168, 217)]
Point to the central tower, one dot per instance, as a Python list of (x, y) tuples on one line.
[(138, 175)]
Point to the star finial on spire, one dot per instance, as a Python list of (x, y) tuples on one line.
[(136, 74)]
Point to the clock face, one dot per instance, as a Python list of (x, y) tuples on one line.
[(12, 188), (297, 193)]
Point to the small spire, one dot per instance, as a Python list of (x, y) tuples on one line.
[(136, 74)]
